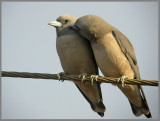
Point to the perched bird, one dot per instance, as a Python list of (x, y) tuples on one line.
[(76, 57), (115, 57)]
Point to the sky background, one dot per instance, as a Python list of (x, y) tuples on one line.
[(29, 45)]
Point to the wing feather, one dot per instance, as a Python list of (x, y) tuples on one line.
[(129, 52)]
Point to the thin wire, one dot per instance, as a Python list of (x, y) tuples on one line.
[(69, 77)]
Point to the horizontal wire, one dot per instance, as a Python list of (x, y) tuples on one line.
[(69, 77)]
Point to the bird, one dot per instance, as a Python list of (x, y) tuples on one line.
[(115, 56), (77, 58)]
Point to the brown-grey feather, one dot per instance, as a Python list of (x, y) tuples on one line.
[(76, 57), (96, 30), (129, 52), (93, 27), (126, 44)]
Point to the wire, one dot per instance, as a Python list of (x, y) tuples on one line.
[(63, 76)]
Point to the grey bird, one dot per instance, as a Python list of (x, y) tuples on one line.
[(115, 57), (77, 58)]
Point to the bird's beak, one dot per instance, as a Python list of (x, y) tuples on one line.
[(55, 24)]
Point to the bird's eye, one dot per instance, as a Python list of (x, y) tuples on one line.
[(66, 21)]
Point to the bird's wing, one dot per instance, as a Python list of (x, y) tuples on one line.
[(128, 51), (88, 89)]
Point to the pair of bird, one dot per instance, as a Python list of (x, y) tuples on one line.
[(86, 43)]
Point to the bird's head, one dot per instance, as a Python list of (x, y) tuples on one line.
[(92, 27), (63, 21)]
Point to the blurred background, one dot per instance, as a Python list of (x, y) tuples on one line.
[(29, 45)]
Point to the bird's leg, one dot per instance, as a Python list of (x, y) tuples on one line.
[(121, 79), (93, 77), (83, 76), (59, 76)]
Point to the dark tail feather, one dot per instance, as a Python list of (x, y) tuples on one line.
[(93, 106), (149, 115), (138, 111), (144, 109), (101, 114)]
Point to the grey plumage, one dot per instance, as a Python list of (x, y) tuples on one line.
[(76, 57), (115, 57), (128, 51)]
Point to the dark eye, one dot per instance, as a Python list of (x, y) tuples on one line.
[(66, 21)]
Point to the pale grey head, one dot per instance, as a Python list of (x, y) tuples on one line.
[(62, 23), (92, 27)]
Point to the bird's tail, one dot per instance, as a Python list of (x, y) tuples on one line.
[(98, 107), (144, 109)]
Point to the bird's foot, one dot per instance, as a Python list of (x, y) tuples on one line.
[(59, 76), (121, 80), (83, 76), (93, 77)]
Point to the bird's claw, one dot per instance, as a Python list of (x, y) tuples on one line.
[(121, 80), (83, 76), (59, 76), (93, 77)]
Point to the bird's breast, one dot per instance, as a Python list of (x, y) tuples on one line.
[(110, 58), (74, 54)]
